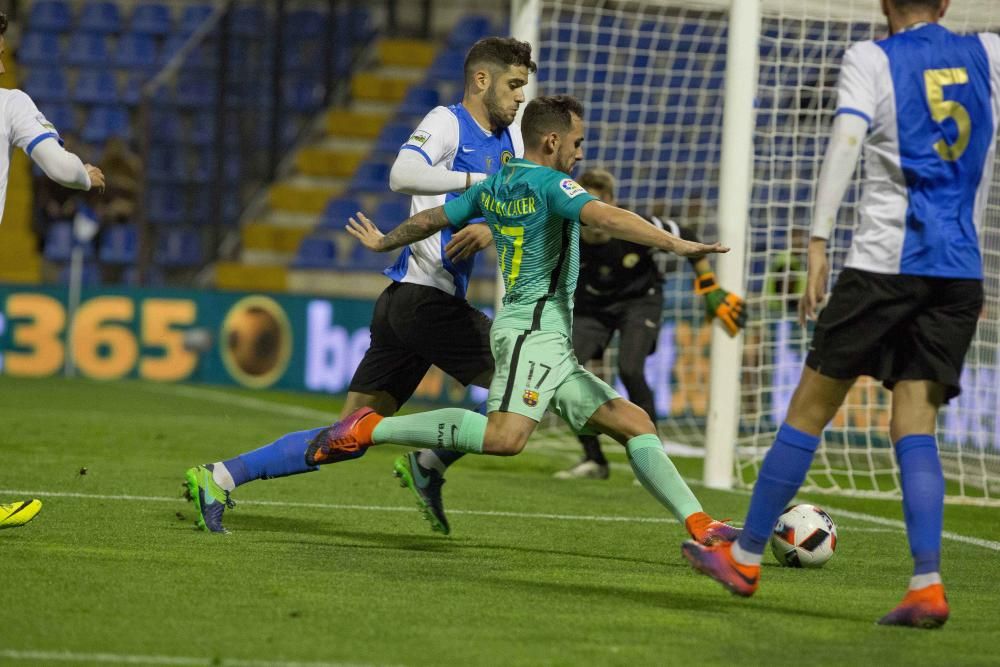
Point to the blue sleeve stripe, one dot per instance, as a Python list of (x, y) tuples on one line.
[(419, 150), (854, 112), (39, 139)]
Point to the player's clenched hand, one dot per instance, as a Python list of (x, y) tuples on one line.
[(365, 231), (467, 242), (96, 177), (819, 270), (695, 249)]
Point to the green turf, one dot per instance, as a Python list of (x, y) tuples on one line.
[(131, 580)]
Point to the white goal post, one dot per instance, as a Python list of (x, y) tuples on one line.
[(717, 111)]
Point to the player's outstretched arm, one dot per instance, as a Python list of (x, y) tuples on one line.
[(65, 168), (628, 226), (416, 228), (835, 176)]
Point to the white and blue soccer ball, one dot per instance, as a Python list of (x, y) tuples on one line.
[(805, 536)]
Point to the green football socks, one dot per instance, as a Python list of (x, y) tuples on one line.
[(658, 475), (449, 428)]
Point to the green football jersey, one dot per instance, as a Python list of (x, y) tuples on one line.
[(534, 214)]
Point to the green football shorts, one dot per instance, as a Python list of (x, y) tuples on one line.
[(536, 370)]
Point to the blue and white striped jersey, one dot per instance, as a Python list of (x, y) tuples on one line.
[(932, 100), (451, 137)]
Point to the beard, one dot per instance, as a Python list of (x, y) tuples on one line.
[(498, 117)]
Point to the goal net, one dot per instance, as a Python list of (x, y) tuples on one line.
[(651, 75)]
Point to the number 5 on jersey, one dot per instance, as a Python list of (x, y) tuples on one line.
[(935, 81)]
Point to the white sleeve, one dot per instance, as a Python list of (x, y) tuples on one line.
[(27, 125), (991, 42), (516, 139), (436, 137), (413, 176), (857, 92), (60, 165), (846, 141), (422, 166)]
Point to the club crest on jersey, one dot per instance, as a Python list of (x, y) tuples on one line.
[(530, 397), (505, 157), (418, 138), (571, 187)]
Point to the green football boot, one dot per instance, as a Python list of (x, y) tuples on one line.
[(210, 499), (426, 485)]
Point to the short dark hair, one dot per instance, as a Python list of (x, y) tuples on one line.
[(598, 179), (549, 114), (3, 24), (911, 4), (499, 53)]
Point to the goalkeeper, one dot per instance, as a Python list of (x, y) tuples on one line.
[(621, 289)]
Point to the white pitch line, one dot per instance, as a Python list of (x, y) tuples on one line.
[(184, 661), (247, 402), (335, 506)]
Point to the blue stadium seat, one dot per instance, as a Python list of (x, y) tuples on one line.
[(192, 17), (90, 276), (363, 259), (468, 30), (58, 241), (315, 252), (151, 19), (154, 276), (302, 93), (61, 116), (370, 177), (337, 212), (40, 48), (96, 87), (247, 21), (178, 247), (419, 100), (201, 131), (165, 127), (104, 122), (166, 164), (54, 15), (391, 212), (86, 49), (119, 245), (100, 17), (136, 51), (393, 136), (306, 24), (195, 91), (485, 266), (447, 66), (132, 89), (46, 85), (165, 205)]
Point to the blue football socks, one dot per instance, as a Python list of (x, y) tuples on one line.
[(285, 456), (781, 474), (923, 499)]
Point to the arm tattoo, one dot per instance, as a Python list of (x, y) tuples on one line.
[(416, 228)]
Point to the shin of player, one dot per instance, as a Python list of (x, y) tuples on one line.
[(905, 307)]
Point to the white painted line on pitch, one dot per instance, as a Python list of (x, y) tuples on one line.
[(247, 402), (120, 659), (335, 506)]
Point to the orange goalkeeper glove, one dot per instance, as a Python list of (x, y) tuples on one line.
[(728, 307)]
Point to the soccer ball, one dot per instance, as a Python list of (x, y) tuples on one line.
[(805, 536)]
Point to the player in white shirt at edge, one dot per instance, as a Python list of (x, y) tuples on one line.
[(24, 126), (924, 103), (422, 317)]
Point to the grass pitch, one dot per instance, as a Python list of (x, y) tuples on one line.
[(337, 567)]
